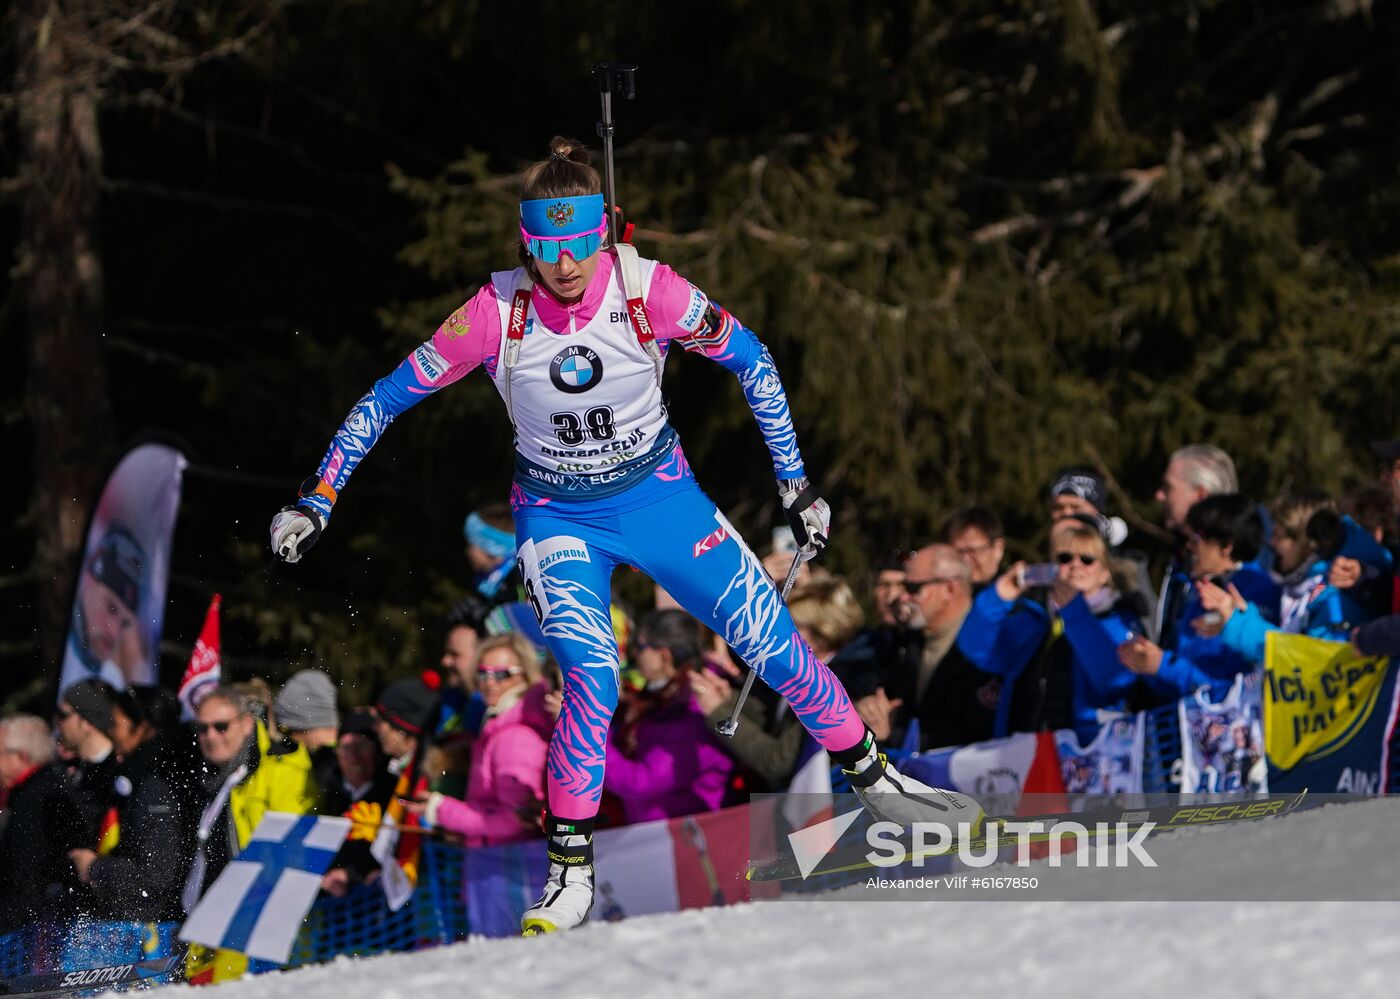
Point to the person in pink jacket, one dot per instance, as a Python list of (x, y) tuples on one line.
[(506, 782), (663, 758)]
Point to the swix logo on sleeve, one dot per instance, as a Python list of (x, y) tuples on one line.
[(711, 541)]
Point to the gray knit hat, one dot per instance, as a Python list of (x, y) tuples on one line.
[(307, 701)]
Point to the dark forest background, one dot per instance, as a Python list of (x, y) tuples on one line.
[(983, 239)]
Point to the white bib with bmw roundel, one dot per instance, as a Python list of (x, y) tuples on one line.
[(585, 402)]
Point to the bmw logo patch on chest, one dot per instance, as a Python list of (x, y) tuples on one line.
[(575, 369)]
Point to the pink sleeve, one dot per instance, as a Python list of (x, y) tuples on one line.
[(471, 336), (517, 775), (464, 818), (675, 307)]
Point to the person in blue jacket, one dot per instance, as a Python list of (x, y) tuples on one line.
[(1056, 654), (1225, 534), (1308, 535)]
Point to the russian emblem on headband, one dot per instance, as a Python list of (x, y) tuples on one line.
[(561, 213)]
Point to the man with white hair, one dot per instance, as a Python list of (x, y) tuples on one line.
[(1193, 473), (45, 823)]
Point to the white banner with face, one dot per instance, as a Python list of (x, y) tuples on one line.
[(119, 600)]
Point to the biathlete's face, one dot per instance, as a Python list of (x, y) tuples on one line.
[(567, 278), (563, 235)]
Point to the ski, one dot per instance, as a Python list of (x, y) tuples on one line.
[(60, 983), (1163, 817)]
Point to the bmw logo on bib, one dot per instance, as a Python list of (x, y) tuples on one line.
[(576, 369)]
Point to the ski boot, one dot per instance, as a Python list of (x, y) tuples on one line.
[(568, 893), (887, 794)]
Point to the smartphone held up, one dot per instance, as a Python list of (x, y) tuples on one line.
[(1039, 574)]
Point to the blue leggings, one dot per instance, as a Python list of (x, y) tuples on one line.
[(669, 529)]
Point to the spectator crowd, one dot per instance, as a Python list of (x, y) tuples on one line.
[(126, 804)]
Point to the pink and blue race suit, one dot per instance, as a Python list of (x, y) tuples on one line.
[(601, 481)]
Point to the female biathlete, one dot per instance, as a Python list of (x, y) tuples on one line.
[(575, 341)]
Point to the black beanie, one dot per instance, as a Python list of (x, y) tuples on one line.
[(410, 705), (1084, 482), (92, 701)]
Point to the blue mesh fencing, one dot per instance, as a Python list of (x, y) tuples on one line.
[(1161, 752), (359, 924)]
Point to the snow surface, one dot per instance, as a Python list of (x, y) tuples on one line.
[(832, 945)]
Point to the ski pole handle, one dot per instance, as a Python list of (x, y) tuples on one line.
[(619, 78), (728, 726)]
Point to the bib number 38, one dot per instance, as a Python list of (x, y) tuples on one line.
[(572, 429)]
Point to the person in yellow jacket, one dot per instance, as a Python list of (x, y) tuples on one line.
[(248, 775)]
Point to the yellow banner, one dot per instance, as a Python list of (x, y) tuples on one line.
[(1317, 696)]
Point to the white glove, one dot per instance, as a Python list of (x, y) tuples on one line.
[(294, 530), (808, 516)]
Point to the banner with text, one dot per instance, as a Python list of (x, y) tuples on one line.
[(1329, 715)]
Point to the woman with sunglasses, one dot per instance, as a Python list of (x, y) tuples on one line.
[(507, 766), (575, 341), (1056, 648)]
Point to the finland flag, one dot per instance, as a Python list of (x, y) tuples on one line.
[(257, 903)]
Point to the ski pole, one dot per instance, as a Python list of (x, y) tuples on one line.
[(612, 77), (730, 725)]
